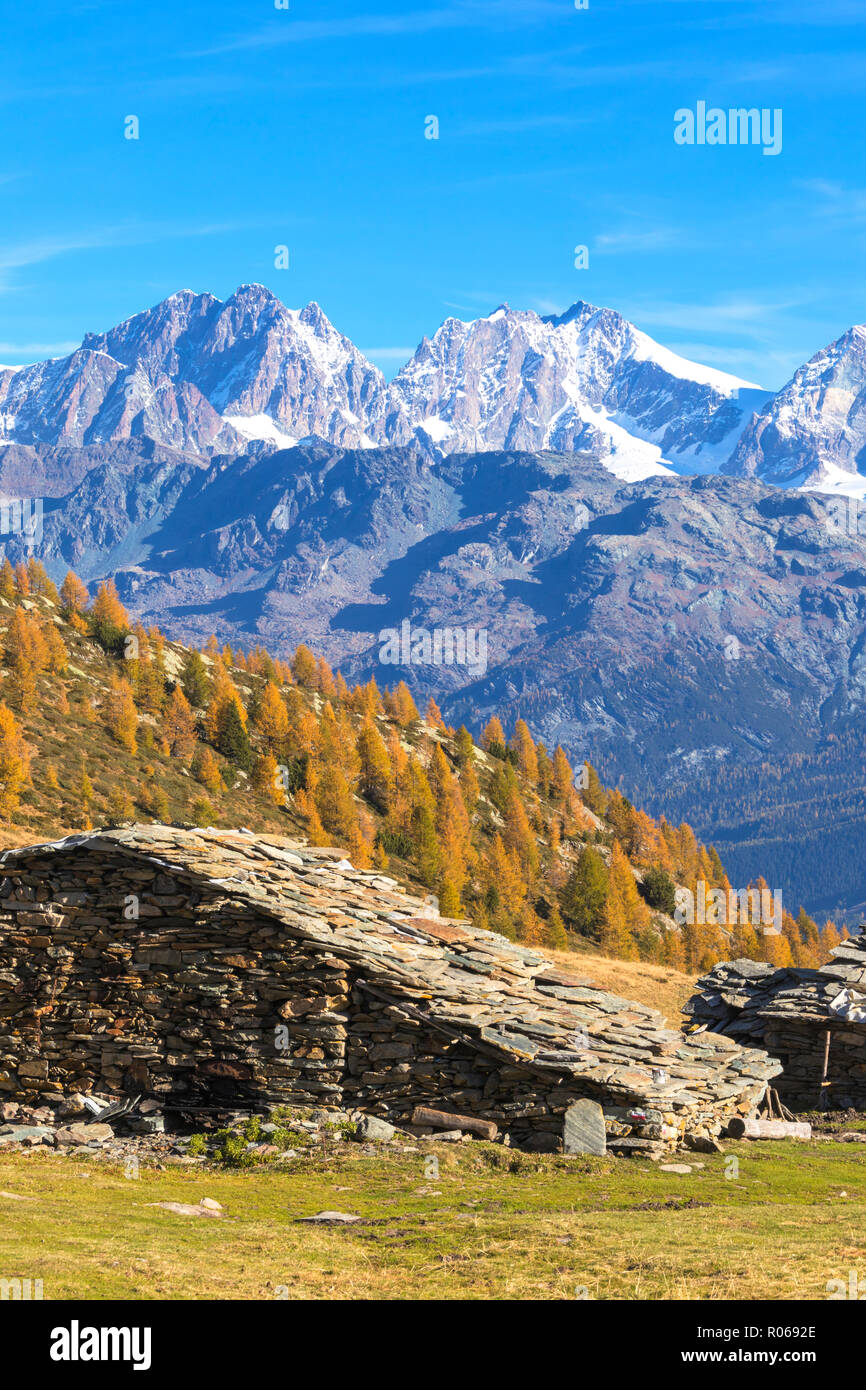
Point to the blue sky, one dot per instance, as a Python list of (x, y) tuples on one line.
[(306, 127)]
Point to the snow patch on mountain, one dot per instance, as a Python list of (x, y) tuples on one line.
[(260, 427), (836, 481)]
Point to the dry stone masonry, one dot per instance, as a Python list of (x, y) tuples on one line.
[(790, 1013), (207, 969)]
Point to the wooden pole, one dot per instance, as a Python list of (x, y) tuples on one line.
[(824, 1098)]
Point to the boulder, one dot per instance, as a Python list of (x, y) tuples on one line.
[(84, 1134), (371, 1127), (186, 1209), (73, 1106)]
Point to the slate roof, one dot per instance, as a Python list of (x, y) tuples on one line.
[(737, 998), (503, 998)]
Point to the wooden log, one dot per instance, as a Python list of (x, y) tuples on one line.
[(739, 1128), (440, 1119), (824, 1098)]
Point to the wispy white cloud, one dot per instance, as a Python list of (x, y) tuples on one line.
[(520, 125), (637, 239), (793, 14), (542, 305), (535, 175), (763, 339), (36, 351), (835, 203), (776, 364), (38, 250), (469, 14), (468, 301), (41, 249), (729, 316)]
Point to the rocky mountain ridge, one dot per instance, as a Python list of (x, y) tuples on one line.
[(205, 377), (695, 638), (198, 375)]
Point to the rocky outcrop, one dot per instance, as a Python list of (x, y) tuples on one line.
[(211, 968)]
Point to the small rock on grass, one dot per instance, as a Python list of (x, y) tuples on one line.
[(17, 1197), (25, 1134), (675, 1168), (331, 1218), (189, 1208)]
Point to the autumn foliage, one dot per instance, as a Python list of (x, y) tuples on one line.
[(504, 831)]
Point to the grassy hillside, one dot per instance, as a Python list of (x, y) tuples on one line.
[(658, 986)]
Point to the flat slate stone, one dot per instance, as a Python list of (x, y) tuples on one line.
[(629, 1145), (331, 1218), (584, 1131), (19, 1134), (186, 1208)]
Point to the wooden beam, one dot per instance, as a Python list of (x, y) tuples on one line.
[(440, 1119), (769, 1129)]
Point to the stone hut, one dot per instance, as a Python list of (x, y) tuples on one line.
[(224, 969), (813, 1021)]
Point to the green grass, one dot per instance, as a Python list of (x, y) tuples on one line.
[(493, 1225)]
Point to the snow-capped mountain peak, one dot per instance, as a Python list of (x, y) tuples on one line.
[(203, 375), (210, 363), (812, 434), (583, 380)]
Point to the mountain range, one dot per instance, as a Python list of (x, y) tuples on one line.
[(200, 376), (240, 467)]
